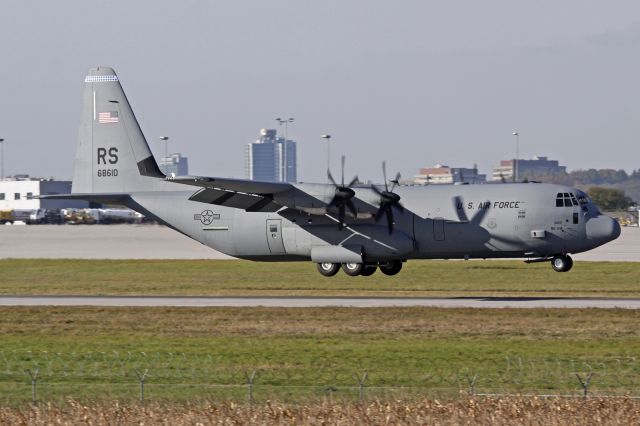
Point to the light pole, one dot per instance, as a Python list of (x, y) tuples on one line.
[(515, 162), (1, 159), (328, 139), (286, 122), (166, 149)]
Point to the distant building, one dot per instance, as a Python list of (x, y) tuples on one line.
[(271, 158), (535, 166), (17, 193), (441, 174), (174, 164)]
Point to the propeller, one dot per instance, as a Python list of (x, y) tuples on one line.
[(342, 196), (388, 199), (458, 205)]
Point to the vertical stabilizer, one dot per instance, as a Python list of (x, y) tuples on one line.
[(112, 154)]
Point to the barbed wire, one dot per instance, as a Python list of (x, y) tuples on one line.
[(513, 374)]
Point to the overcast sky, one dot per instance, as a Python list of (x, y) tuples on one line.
[(412, 82)]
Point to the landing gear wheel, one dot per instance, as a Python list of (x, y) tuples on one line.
[(353, 269), (561, 263), (368, 270), (328, 269), (391, 268)]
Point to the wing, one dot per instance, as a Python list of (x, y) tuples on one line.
[(252, 196), (266, 196), (236, 185)]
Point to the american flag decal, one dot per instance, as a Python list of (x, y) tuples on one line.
[(108, 117)]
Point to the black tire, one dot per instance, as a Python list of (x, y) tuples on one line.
[(561, 263), (391, 268), (368, 270), (353, 269), (328, 269)]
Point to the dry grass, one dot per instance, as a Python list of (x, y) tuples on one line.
[(490, 411), (433, 323)]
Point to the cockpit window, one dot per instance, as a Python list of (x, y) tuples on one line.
[(566, 199)]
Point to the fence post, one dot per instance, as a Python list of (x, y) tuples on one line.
[(585, 384), (34, 380), (250, 378), (361, 382), (142, 376), (472, 384)]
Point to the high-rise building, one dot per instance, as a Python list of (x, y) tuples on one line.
[(445, 174), (174, 164), (271, 158), (536, 166)]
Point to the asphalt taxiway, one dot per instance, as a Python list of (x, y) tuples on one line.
[(309, 302), (160, 242)]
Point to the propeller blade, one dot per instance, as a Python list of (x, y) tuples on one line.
[(353, 181), (384, 175), (390, 219), (343, 159), (477, 218), (352, 208), (379, 214), (331, 178), (340, 216), (458, 206), (395, 181)]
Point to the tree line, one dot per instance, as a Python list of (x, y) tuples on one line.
[(606, 198)]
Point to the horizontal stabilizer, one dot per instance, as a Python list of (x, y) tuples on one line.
[(114, 197)]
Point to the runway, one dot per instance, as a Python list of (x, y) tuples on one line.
[(159, 242), (309, 302)]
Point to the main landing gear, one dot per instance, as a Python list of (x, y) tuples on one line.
[(561, 263), (391, 267)]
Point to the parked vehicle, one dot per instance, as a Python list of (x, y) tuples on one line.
[(6, 216)]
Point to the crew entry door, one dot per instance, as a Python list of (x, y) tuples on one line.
[(438, 229), (274, 236)]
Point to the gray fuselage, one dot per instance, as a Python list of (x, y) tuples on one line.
[(439, 221)]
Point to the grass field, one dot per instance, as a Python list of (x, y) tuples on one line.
[(232, 277), (300, 353), (308, 354)]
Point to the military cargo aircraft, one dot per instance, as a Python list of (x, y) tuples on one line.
[(350, 226)]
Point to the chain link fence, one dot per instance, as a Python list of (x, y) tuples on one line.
[(56, 376)]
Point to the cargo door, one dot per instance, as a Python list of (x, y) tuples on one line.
[(274, 236)]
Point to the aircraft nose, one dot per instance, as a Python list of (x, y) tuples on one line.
[(603, 228)]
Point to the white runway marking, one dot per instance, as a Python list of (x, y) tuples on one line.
[(308, 302)]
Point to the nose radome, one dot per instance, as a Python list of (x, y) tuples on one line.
[(603, 228)]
